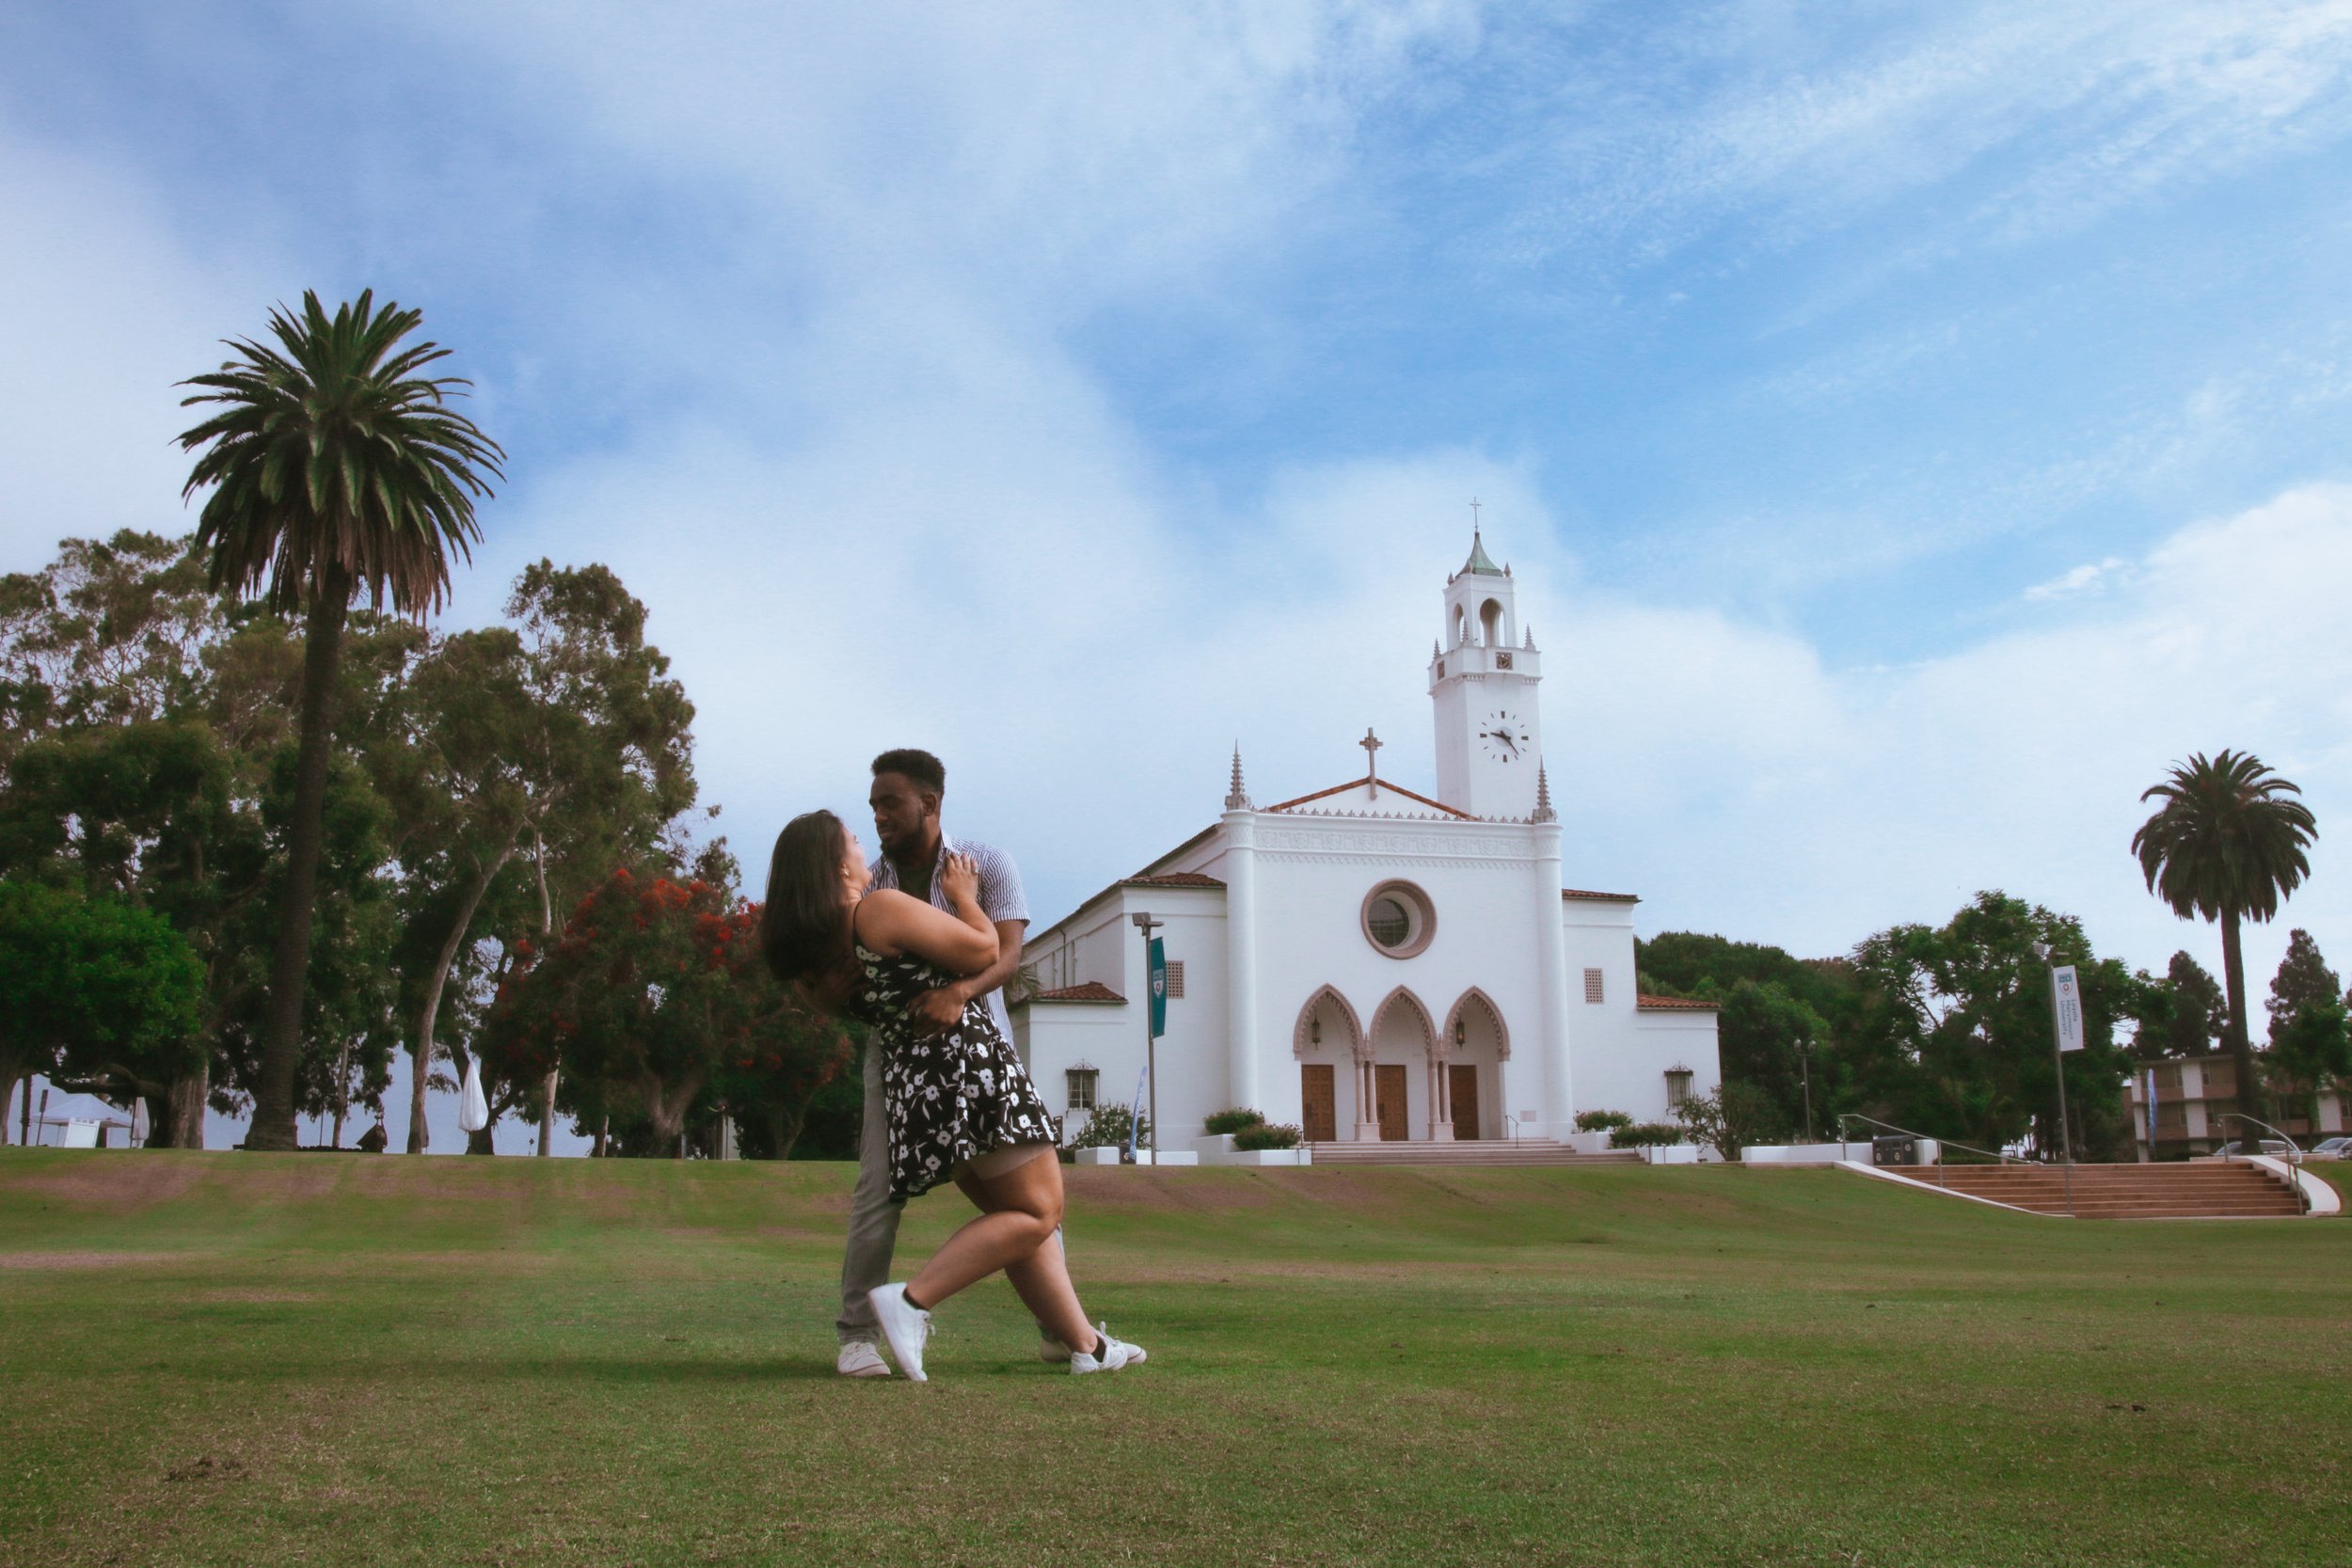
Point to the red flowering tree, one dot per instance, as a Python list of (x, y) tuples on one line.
[(654, 997)]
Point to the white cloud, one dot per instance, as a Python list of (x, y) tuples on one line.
[(2059, 113), (2090, 578), (108, 308), (1745, 788)]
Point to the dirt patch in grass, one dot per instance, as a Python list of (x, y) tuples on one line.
[(119, 1182), (235, 1293), (37, 1262)]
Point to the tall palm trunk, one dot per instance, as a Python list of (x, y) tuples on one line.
[(282, 1039), (2252, 1101), (429, 1014)]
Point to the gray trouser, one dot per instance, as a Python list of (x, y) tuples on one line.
[(873, 1218)]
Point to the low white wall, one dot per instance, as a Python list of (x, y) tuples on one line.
[(1259, 1157), (1803, 1154)]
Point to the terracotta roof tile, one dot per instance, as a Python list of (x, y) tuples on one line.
[(1173, 878), (1094, 991), (1676, 1005), (1600, 898)]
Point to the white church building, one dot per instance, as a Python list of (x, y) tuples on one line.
[(1370, 963)]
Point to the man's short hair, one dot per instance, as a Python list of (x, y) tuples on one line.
[(926, 770)]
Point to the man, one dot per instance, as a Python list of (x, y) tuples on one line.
[(905, 797)]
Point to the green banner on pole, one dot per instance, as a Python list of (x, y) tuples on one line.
[(1159, 988)]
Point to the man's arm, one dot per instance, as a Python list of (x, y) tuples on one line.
[(935, 1012), (1008, 909)]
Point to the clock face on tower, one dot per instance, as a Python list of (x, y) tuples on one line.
[(1505, 738)]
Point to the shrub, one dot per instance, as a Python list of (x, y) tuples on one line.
[(1269, 1136), (1108, 1126), (1642, 1134), (1234, 1121), (1730, 1116), (1602, 1121)]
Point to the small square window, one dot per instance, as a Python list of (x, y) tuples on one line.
[(1592, 986), (1175, 976), (1082, 1088)]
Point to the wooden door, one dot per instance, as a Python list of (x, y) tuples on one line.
[(1462, 1089), (1387, 1088), (1320, 1095)]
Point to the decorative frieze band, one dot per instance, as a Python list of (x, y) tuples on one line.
[(1358, 843)]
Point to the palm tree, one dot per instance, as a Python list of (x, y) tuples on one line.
[(2226, 846), (337, 468)]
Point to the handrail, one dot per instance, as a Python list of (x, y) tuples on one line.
[(1515, 1128), (2294, 1149), (1844, 1117)]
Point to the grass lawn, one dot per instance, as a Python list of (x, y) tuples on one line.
[(238, 1358)]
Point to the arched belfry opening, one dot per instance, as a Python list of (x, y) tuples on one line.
[(1490, 622)]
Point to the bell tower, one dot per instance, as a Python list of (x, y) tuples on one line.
[(1482, 680)]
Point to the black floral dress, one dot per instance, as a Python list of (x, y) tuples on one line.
[(950, 1097)]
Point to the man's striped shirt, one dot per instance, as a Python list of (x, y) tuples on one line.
[(1000, 896)]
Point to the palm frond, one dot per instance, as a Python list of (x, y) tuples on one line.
[(2225, 838), (330, 457)]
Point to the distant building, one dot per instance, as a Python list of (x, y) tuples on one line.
[(1370, 963), (2186, 1088)]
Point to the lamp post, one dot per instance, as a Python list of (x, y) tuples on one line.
[(2066, 1034), (1804, 1069), (1154, 982)]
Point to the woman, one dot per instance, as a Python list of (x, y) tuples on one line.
[(960, 1105)]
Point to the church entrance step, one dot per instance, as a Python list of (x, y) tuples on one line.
[(2121, 1192), (1525, 1151)]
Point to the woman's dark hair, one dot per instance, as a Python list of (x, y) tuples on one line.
[(802, 933)]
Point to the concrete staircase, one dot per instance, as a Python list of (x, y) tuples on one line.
[(2195, 1190), (1501, 1152)]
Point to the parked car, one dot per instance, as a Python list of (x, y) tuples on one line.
[(2267, 1146), (2338, 1148)]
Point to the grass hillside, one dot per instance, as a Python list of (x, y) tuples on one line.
[(264, 1359)]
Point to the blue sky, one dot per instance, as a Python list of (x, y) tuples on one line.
[(1913, 426)]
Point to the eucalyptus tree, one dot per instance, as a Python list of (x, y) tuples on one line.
[(546, 753), (337, 469), (2226, 845), (112, 631)]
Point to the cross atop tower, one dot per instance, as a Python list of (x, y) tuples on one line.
[(1372, 744)]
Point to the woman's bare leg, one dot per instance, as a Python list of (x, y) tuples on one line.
[(1041, 1281), (1020, 1212)]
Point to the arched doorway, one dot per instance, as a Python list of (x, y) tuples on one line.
[(1403, 1071), (1475, 1043), (1332, 1049)]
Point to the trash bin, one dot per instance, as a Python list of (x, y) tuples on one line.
[(1895, 1149)]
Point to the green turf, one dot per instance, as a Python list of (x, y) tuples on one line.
[(234, 1358)]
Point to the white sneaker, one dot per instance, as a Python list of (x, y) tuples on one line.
[(1051, 1349), (859, 1358), (906, 1328), (1109, 1357)]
